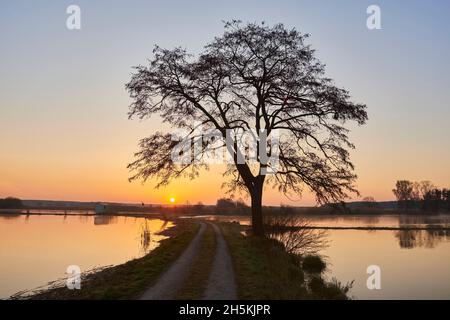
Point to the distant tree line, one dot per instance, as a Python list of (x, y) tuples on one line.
[(422, 195), (370, 202), (223, 206), (11, 203), (230, 206)]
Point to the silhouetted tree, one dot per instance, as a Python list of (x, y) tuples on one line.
[(433, 200), (252, 78), (370, 202), (11, 203), (240, 203), (446, 198), (422, 188), (199, 207), (404, 193), (225, 203)]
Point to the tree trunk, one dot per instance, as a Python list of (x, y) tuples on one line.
[(257, 217)]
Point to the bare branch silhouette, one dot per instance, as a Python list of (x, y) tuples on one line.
[(253, 77)]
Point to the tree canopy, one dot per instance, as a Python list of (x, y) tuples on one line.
[(258, 78)]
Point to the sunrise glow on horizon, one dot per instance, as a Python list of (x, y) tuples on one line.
[(252, 155), (66, 136)]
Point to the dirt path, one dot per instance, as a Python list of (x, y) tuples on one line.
[(221, 283), (172, 280)]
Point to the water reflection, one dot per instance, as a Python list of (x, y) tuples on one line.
[(37, 249), (437, 229), (105, 220), (145, 237), (414, 263), (83, 219), (349, 221), (10, 217), (430, 238), (295, 235), (428, 221)]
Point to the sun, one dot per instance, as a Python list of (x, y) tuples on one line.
[(172, 200)]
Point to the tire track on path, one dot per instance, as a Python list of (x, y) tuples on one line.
[(221, 283), (168, 284)]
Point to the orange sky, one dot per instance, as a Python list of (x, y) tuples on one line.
[(64, 132)]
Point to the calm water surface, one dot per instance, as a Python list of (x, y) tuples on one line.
[(414, 264), (37, 249)]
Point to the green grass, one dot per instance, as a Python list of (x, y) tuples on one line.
[(263, 270), (334, 290), (129, 280), (195, 286)]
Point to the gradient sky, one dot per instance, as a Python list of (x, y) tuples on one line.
[(64, 132)]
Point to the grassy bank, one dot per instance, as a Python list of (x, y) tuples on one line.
[(264, 270), (129, 280)]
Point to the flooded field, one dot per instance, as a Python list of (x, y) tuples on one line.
[(37, 249), (414, 263)]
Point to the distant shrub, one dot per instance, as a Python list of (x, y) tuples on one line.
[(230, 206), (225, 203), (294, 233), (11, 203), (313, 264), (333, 290), (316, 284)]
